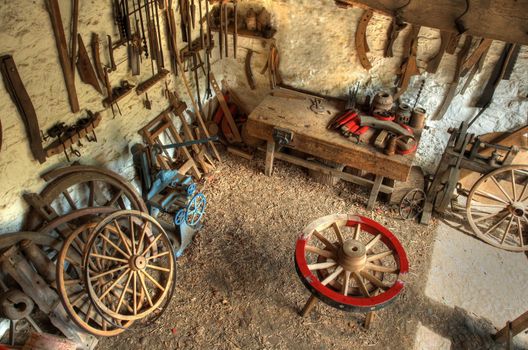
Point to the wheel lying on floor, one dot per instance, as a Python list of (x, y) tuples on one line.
[(351, 262), (134, 246), (497, 208)]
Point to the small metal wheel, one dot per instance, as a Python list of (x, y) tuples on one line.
[(179, 217), (497, 208), (412, 204), (195, 209), (71, 286), (134, 247), (350, 262)]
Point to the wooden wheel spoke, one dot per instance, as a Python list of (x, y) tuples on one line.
[(153, 280), (112, 286), (326, 242), (357, 231), (69, 199), (91, 195), (361, 285), (78, 297), (123, 292), (519, 231), (521, 196), (150, 245), (478, 204), (487, 216), (338, 232), (88, 313), (497, 224), (72, 281), (514, 185), (159, 268), (507, 229), (374, 280), (106, 257), (346, 282), (142, 237), (115, 246), (321, 266), (381, 268), (506, 195), (158, 255), (134, 292), (122, 237), (93, 278), (379, 255), (490, 197), (144, 287), (117, 296), (372, 242), (132, 233), (321, 252), (332, 276), (114, 199)]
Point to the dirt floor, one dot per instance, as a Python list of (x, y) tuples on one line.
[(237, 287)]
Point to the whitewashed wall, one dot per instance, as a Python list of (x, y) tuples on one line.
[(316, 43)]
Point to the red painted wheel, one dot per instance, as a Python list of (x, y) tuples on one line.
[(351, 262)]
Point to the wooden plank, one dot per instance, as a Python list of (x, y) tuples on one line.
[(312, 137), (64, 58), (374, 192), (270, 155), (517, 326), (329, 171), (503, 20)]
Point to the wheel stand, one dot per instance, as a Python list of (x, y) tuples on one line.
[(312, 301)]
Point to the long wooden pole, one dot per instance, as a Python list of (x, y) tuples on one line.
[(64, 58)]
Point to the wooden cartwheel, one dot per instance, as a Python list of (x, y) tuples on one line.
[(497, 208), (133, 247), (351, 263), (71, 286)]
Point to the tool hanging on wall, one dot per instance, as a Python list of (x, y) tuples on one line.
[(409, 66), (85, 68), (361, 39), (113, 65), (249, 73), (113, 95), (272, 66), (97, 57), (474, 63), (502, 71), (17, 91), (67, 136), (450, 94), (64, 58), (395, 28)]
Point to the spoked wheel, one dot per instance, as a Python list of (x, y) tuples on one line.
[(497, 208), (351, 262), (83, 190), (412, 204), (134, 246), (71, 286), (195, 209)]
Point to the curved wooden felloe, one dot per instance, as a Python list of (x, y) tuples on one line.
[(497, 208), (134, 244), (351, 262), (361, 39)]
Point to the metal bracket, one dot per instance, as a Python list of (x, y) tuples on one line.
[(282, 136)]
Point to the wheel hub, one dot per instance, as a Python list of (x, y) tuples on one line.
[(138, 262), (517, 209), (352, 255)]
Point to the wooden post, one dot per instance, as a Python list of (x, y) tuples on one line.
[(270, 154), (310, 304), (368, 320), (374, 192), (512, 328)]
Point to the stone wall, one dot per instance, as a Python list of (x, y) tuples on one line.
[(315, 40)]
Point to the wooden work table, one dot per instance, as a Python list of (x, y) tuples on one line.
[(311, 136)]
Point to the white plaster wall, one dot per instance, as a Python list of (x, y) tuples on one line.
[(316, 43), (26, 33)]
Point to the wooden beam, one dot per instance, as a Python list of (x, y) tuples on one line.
[(499, 19)]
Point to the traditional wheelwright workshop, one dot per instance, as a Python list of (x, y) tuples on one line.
[(183, 174)]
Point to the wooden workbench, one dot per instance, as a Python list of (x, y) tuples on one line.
[(311, 136)]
